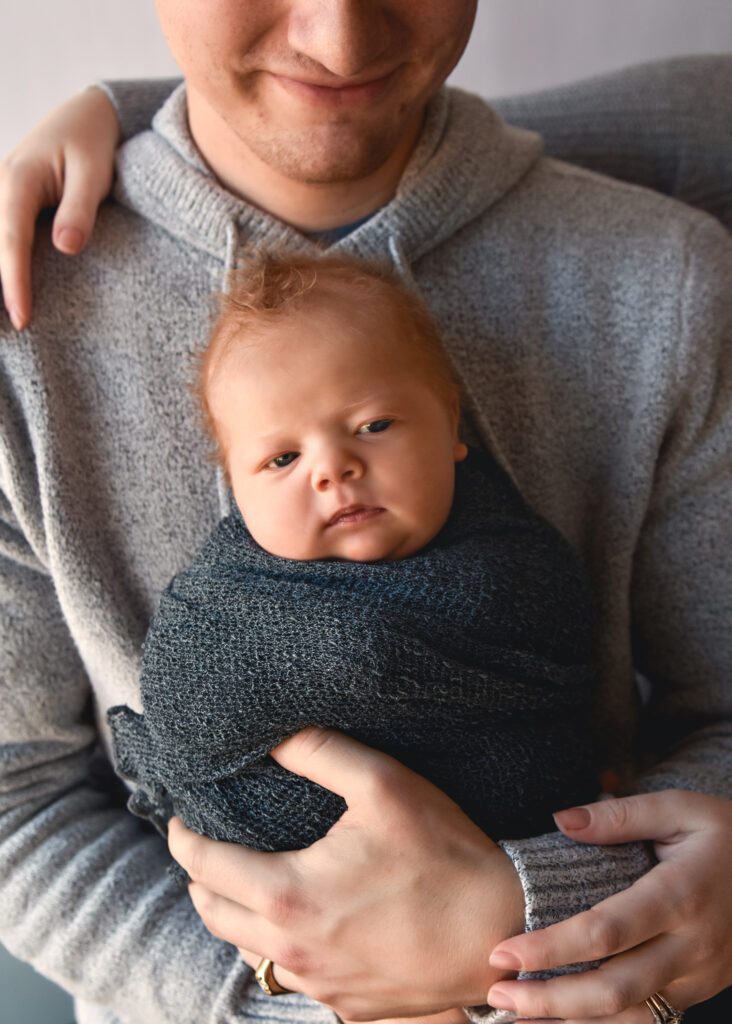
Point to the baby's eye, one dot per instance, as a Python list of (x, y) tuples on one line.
[(374, 427), (280, 461)]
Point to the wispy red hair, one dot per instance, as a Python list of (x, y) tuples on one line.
[(272, 289)]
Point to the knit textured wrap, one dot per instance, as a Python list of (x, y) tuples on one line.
[(471, 661)]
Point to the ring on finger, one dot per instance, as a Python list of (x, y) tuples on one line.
[(663, 1012), (265, 978)]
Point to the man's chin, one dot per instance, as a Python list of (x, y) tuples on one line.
[(325, 156)]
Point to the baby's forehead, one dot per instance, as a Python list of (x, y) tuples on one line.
[(381, 332), (308, 331)]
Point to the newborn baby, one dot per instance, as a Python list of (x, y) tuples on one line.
[(374, 577)]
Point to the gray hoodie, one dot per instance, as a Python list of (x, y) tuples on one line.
[(591, 324)]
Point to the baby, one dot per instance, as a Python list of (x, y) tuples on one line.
[(374, 577)]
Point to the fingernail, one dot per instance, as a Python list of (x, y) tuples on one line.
[(16, 318), (69, 240), (573, 818), (505, 961), (498, 999)]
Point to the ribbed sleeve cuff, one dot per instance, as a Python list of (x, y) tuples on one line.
[(561, 878)]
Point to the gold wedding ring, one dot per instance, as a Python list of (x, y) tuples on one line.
[(663, 1012), (266, 979)]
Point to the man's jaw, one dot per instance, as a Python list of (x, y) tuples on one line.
[(315, 164)]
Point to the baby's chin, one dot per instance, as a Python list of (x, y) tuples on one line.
[(355, 549), (377, 555), (379, 538)]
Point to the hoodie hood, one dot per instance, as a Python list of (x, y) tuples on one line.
[(465, 161)]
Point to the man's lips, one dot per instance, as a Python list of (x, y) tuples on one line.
[(354, 514), (351, 94)]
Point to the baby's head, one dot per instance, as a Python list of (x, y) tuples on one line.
[(333, 409)]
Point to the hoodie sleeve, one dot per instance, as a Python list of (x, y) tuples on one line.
[(651, 125), (136, 101), (681, 596), (83, 885), (561, 878), (681, 602)]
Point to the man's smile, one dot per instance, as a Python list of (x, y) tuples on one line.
[(330, 94)]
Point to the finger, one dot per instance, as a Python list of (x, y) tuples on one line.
[(244, 929), (636, 1014), (616, 986), (622, 820), (260, 882), (286, 979), (639, 1014), (282, 977), (85, 185), (15, 278), (337, 762), (228, 920), (250, 958), (618, 923), (254, 960), (19, 208)]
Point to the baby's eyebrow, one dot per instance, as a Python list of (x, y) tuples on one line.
[(376, 398), (273, 438)]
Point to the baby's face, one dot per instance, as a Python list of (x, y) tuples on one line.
[(338, 443)]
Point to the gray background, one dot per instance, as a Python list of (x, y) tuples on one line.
[(54, 47)]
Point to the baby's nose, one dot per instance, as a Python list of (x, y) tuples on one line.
[(335, 470)]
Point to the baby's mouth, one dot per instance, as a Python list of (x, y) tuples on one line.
[(354, 514)]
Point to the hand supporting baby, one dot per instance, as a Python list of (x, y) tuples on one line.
[(414, 940), (441, 896)]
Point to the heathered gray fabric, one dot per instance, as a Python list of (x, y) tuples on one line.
[(471, 660), (663, 124), (590, 322)]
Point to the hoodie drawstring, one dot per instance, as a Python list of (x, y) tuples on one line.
[(401, 264), (224, 495), (232, 245)]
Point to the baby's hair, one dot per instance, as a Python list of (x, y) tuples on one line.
[(271, 289)]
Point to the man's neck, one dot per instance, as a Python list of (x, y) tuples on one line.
[(309, 207)]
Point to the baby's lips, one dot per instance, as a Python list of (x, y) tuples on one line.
[(349, 510)]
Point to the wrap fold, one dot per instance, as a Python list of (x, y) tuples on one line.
[(471, 661)]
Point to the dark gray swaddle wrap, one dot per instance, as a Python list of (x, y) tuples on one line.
[(471, 662)]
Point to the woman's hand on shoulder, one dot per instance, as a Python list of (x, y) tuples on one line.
[(68, 159)]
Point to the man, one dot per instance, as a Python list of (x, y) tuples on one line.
[(591, 326)]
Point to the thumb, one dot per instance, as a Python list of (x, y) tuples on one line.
[(648, 816), (86, 184), (335, 761)]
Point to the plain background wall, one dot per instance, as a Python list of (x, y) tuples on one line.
[(54, 47)]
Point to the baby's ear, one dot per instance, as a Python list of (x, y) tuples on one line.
[(460, 451)]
